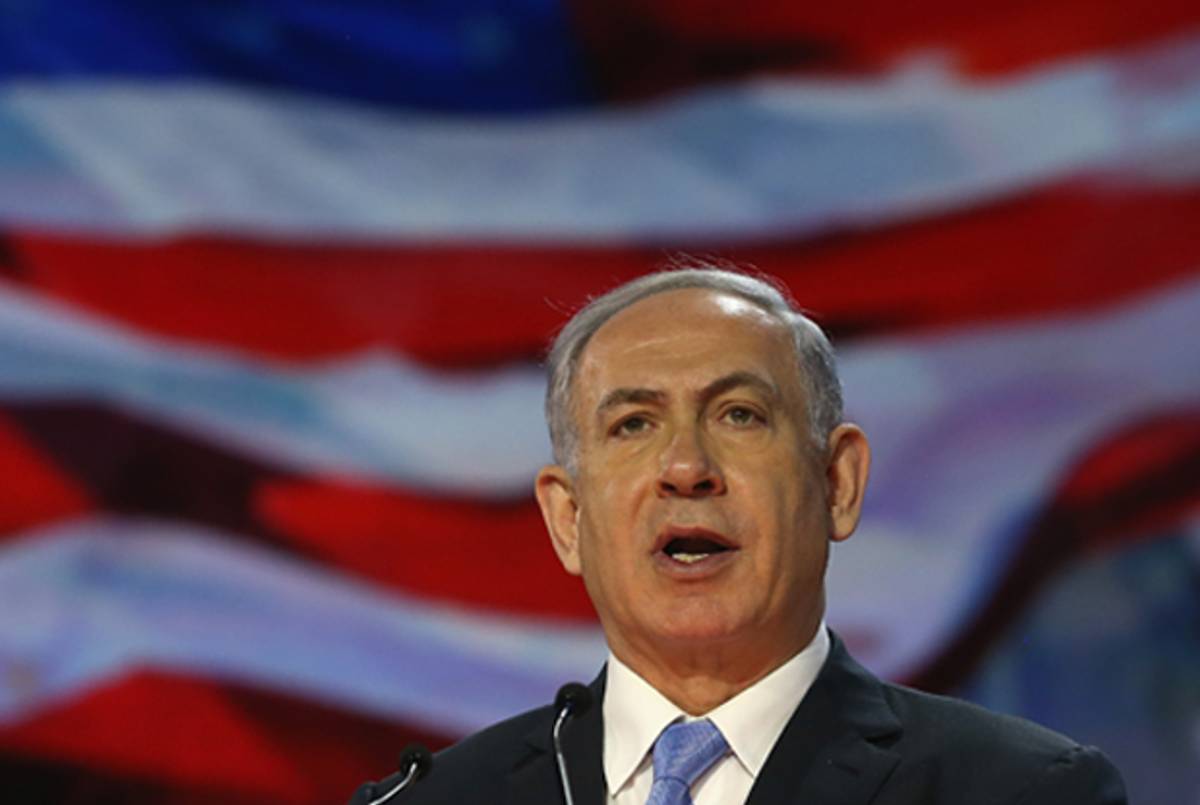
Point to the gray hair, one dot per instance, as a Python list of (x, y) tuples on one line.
[(814, 353)]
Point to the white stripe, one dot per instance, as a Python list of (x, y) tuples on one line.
[(757, 158), (93, 599), (372, 416)]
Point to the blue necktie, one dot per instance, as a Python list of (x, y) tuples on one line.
[(682, 753)]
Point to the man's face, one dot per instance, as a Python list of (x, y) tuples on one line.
[(700, 512)]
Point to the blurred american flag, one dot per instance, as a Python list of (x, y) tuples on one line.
[(274, 282)]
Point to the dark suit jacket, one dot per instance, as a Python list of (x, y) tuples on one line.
[(853, 740)]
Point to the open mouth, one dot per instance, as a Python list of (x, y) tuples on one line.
[(691, 549)]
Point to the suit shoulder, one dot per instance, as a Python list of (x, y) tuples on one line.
[(960, 724), (473, 769), (495, 749), (966, 748)]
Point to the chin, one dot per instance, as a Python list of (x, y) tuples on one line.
[(702, 624)]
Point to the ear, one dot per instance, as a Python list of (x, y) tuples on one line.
[(846, 478), (556, 498)]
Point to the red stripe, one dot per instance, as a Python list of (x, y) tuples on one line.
[(36, 490), (133, 467), (640, 49), (1141, 482), (158, 737), (490, 555), (179, 730), (1066, 249)]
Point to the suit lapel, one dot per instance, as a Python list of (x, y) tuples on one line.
[(830, 752), (536, 779)]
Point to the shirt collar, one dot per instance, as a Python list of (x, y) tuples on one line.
[(635, 713)]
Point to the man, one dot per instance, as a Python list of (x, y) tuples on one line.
[(702, 470)]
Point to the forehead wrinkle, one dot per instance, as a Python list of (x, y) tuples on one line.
[(585, 361)]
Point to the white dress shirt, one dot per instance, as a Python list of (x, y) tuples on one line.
[(752, 721)]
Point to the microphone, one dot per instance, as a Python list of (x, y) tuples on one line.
[(415, 763), (573, 699)]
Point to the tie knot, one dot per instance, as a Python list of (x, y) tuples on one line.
[(684, 751)]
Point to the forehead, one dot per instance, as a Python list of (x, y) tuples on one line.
[(682, 337)]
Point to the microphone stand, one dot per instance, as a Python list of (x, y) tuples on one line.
[(573, 699)]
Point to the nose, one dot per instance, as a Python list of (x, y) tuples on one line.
[(689, 469)]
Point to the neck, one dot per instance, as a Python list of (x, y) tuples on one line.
[(697, 680)]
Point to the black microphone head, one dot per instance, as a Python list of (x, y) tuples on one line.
[(417, 757), (576, 697)]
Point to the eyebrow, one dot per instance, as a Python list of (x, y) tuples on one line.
[(626, 396), (735, 380)]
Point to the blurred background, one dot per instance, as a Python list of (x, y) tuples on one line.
[(275, 278)]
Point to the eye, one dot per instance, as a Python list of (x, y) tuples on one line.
[(631, 425), (741, 416)]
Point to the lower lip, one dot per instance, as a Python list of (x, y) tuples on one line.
[(694, 571)]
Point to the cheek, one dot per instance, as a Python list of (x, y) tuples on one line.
[(791, 514), (603, 544), (618, 497)]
